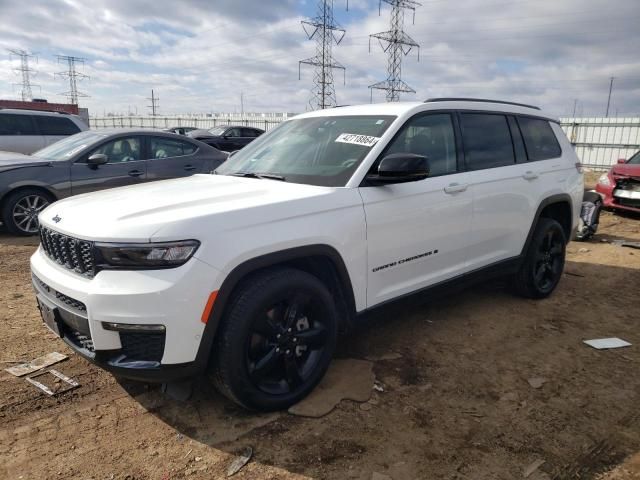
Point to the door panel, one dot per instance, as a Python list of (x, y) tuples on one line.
[(418, 233), (126, 167), (170, 158)]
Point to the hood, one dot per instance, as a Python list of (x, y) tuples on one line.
[(10, 160), (626, 170), (136, 213)]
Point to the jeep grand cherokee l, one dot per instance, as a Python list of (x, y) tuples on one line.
[(249, 274)]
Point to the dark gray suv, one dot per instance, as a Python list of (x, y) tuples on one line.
[(94, 160)]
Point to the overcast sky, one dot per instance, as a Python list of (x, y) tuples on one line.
[(198, 55)]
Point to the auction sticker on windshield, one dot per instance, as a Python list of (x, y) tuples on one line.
[(355, 139)]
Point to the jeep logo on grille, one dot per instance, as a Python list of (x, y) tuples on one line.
[(56, 218)]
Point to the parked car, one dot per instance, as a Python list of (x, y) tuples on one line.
[(228, 138), (179, 130), (90, 161), (620, 186), (250, 273), (26, 131)]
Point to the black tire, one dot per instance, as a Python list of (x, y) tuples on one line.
[(20, 210), (276, 339), (542, 267)]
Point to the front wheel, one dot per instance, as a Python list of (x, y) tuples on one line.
[(276, 340), (20, 210), (543, 264)]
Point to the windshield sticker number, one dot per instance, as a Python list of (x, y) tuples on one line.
[(355, 139)]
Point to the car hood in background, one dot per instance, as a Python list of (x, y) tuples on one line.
[(181, 207), (11, 160), (626, 170)]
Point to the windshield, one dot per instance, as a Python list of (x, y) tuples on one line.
[(322, 151), (635, 160), (217, 131), (66, 148)]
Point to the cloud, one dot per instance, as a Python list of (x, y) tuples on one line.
[(199, 55)]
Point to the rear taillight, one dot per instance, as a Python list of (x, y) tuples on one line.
[(579, 167)]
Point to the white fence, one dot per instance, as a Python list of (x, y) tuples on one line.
[(265, 121), (599, 142)]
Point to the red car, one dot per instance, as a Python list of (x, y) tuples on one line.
[(620, 186)]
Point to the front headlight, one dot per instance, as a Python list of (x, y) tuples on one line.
[(144, 255), (604, 180)]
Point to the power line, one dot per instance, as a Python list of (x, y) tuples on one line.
[(25, 72), (324, 29), (74, 76), (154, 103), (397, 44)]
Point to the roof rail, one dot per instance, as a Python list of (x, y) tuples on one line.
[(480, 100)]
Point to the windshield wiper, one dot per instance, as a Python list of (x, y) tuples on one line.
[(269, 176)]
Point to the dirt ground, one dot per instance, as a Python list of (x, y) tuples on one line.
[(457, 401)]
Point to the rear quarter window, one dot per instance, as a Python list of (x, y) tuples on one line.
[(539, 140), (56, 125)]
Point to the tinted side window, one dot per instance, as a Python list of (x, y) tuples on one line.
[(167, 147), (249, 132), (16, 125), (539, 139), (487, 141), (233, 132), (120, 150), (55, 125), (432, 136)]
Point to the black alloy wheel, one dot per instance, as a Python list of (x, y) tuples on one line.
[(276, 339)]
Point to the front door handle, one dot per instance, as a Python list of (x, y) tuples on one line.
[(529, 175), (455, 188), (189, 168), (135, 173)]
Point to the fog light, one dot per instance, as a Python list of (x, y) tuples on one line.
[(127, 327)]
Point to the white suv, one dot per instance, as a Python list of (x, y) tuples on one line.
[(248, 274), (27, 131)]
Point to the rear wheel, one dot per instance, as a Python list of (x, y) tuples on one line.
[(276, 340), (544, 261), (20, 210)]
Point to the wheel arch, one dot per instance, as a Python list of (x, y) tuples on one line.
[(558, 207), (322, 261), (18, 188)]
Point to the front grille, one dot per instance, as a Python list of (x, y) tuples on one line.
[(71, 253), (142, 346)]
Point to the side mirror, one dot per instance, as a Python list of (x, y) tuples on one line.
[(97, 159), (400, 168), (622, 160)]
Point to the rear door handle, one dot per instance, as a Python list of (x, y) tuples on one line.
[(455, 188), (530, 175), (189, 168), (135, 173)]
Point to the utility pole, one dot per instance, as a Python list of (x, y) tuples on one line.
[(154, 103), (609, 99), (241, 103), (397, 44), (575, 105), (25, 72), (324, 29), (74, 76)]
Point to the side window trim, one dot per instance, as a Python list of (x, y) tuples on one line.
[(456, 136), (149, 139), (520, 149)]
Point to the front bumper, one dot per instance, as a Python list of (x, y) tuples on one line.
[(174, 298), (612, 197)]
